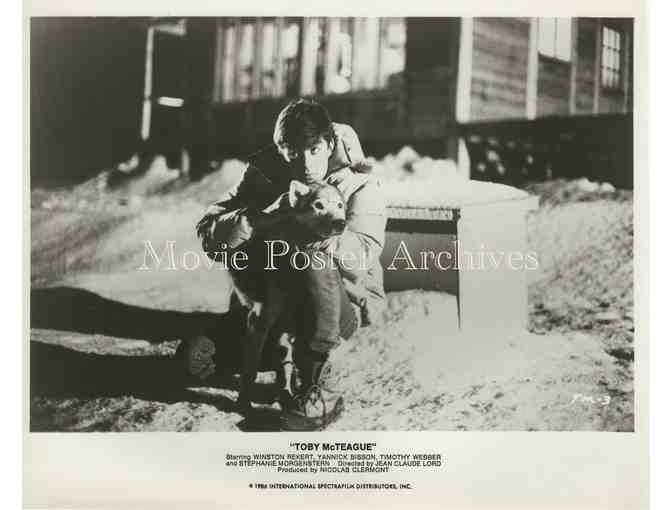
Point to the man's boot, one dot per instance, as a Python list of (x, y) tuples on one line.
[(217, 349), (196, 357), (315, 406)]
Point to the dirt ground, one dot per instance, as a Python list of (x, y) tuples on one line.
[(103, 332)]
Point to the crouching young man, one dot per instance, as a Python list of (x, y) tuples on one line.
[(310, 148)]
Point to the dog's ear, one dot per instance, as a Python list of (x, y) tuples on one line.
[(297, 190)]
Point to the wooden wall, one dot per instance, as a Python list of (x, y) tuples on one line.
[(501, 48), (553, 86), (499, 68), (420, 108)]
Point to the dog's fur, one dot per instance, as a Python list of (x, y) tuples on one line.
[(310, 212)]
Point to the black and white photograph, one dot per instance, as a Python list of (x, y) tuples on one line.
[(330, 224)]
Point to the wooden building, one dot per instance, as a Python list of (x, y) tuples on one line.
[(409, 80), (210, 88)]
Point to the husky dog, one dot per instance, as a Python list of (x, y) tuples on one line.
[(306, 213)]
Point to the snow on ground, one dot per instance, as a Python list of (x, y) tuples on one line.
[(572, 371)]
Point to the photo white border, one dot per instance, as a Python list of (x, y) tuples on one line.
[(510, 469), (660, 244), (12, 258)]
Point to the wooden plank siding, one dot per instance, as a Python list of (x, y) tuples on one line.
[(553, 88), (499, 68), (430, 107), (420, 108)]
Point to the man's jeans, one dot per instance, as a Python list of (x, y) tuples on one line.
[(324, 312), (328, 314)]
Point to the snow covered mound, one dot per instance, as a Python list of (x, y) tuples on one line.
[(447, 193), (561, 191), (127, 184), (412, 180), (409, 180)]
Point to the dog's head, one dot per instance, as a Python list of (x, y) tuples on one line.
[(319, 207)]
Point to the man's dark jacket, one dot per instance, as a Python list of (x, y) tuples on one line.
[(267, 176)]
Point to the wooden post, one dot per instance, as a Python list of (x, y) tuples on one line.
[(354, 58), (597, 85), (257, 62), (463, 93), (229, 62), (278, 86), (464, 66), (359, 54), (146, 122), (309, 44), (531, 91), (331, 63), (365, 61), (625, 73), (381, 41), (373, 46), (238, 38), (218, 82), (573, 66)]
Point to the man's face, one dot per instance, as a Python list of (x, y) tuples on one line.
[(308, 164)]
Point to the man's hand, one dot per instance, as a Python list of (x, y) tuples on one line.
[(347, 181), (338, 177)]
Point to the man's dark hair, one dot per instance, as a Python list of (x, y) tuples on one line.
[(302, 123)]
